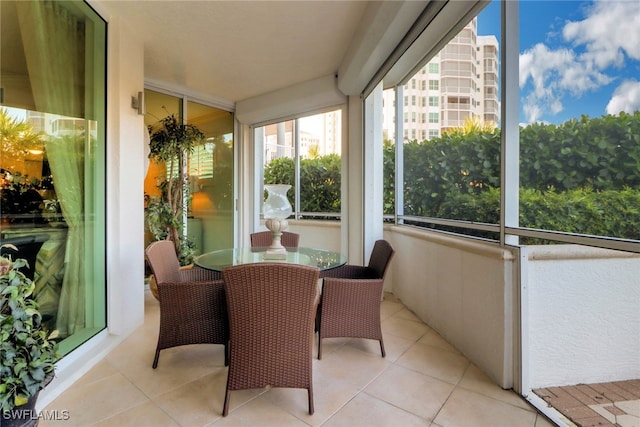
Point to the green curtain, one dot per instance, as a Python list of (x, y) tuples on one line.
[(54, 45)]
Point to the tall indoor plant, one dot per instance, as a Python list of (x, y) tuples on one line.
[(170, 142), (27, 351)]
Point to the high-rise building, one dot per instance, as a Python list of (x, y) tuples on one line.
[(459, 83)]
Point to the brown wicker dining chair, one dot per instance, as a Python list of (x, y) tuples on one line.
[(350, 300), (262, 239), (193, 308), (272, 307)]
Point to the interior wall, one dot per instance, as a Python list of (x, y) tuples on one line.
[(461, 288), (125, 182)]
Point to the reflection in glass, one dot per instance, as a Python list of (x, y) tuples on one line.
[(53, 169)]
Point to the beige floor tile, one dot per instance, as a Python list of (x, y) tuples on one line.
[(145, 415), (421, 377), (100, 371), (466, 408), (414, 392), (434, 339), (177, 366), (409, 329), (475, 380), (329, 396), (396, 346), (97, 400), (351, 365), (389, 307), (436, 362), (199, 402), (329, 345), (407, 314), (367, 411), (259, 412)]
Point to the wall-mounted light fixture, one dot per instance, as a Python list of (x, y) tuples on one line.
[(137, 103)]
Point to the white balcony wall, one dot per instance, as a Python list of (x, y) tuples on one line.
[(583, 309), (316, 234), (464, 289)]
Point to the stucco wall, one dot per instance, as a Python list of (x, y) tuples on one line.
[(316, 234), (463, 289), (583, 315)]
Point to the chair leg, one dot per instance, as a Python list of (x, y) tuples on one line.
[(155, 359), (311, 408), (226, 354), (382, 348), (319, 346), (225, 407)]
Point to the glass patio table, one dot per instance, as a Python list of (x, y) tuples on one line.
[(220, 259)]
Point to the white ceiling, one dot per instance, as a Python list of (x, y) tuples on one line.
[(235, 50)]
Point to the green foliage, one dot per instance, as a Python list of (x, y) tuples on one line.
[(27, 354), (319, 180), (601, 153), (160, 218), (582, 176), (614, 213), (170, 141)]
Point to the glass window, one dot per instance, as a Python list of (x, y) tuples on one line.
[(52, 159), (455, 173), (580, 115), (304, 153), (210, 219)]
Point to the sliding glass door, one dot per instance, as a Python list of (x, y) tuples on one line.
[(52, 158), (209, 216)]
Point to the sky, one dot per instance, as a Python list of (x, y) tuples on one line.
[(576, 57)]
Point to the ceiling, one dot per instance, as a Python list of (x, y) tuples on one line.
[(236, 50)]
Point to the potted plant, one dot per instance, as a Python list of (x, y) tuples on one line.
[(28, 353), (170, 142)]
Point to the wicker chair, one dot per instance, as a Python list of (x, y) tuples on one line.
[(350, 300), (193, 307), (262, 239), (272, 307)]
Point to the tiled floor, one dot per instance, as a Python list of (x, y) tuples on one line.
[(423, 381), (603, 404)]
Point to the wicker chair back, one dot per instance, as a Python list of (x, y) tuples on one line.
[(271, 307), (263, 239)]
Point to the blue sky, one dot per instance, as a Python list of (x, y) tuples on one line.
[(576, 57)]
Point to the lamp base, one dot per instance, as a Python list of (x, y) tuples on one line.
[(275, 253)]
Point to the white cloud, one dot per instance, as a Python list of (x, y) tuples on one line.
[(608, 34), (625, 98)]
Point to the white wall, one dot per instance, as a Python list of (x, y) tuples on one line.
[(464, 289), (583, 315)]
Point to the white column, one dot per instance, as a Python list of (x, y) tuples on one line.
[(373, 177)]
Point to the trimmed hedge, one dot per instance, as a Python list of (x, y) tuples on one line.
[(582, 176)]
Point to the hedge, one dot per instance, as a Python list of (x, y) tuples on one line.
[(581, 176)]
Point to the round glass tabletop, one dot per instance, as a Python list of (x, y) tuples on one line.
[(220, 259)]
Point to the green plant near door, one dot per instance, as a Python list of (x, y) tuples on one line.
[(27, 351), (170, 142)]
